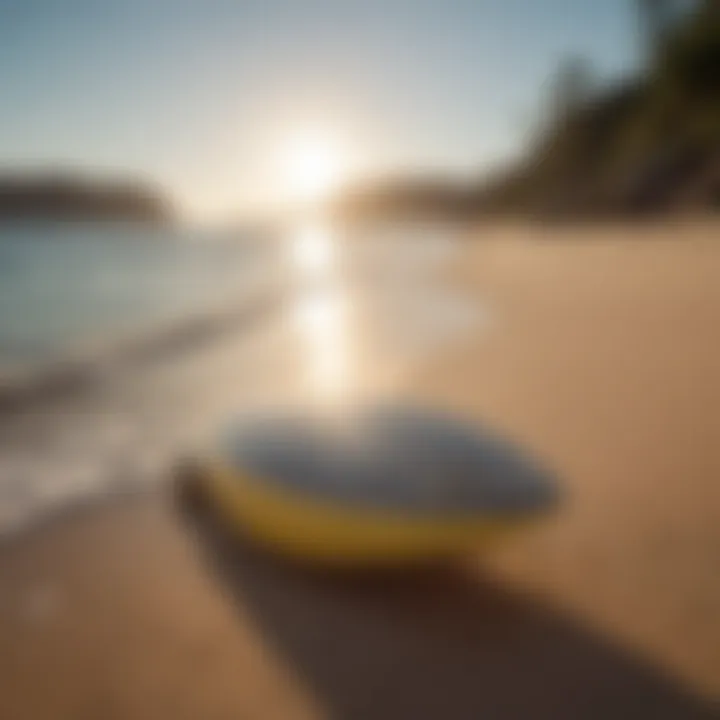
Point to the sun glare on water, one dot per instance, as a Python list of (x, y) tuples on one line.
[(313, 168), (312, 249)]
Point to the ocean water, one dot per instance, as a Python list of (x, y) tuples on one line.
[(68, 287), (316, 315)]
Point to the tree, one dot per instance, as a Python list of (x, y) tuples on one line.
[(657, 18), (572, 87)]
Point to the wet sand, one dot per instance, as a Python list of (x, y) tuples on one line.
[(602, 357)]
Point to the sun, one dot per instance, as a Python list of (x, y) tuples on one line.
[(314, 166)]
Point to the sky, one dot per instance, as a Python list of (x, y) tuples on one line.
[(202, 96)]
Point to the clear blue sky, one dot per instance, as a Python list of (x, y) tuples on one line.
[(198, 94)]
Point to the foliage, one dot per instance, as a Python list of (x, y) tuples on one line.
[(649, 143)]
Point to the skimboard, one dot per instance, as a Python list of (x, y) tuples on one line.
[(374, 485)]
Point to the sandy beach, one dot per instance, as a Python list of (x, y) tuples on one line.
[(599, 352)]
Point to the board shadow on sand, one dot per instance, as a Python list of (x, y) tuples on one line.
[(434, 643)]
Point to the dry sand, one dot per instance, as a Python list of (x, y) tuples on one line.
[(604, 358)]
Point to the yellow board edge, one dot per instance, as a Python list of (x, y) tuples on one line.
[(330, 533)]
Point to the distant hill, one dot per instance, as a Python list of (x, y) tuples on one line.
[(402, 198), (648, 144), (34, 197)]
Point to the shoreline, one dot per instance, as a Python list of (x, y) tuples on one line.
[(81, 370), (83, 402)]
